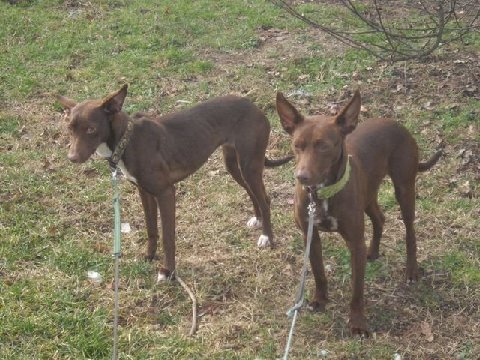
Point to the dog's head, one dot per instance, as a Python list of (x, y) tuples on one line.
[(317, 140), (89, 124)]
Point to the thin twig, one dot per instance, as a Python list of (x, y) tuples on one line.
[(193, 329), (383, 29), (341, 36), (440, 25)]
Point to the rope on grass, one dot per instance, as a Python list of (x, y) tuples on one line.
[(293, 311), (193, 329)]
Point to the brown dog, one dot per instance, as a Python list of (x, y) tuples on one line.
[(155, 153), (371, 150)]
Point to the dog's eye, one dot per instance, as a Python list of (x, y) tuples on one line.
[(91, 130), (299, 146), (321, 146)]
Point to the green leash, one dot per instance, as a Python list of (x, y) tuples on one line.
[(117, 233), (116, 254)]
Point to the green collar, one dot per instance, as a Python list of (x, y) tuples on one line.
[(331, 190), (122, 145)]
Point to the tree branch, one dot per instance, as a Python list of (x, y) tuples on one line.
[(430, 23)]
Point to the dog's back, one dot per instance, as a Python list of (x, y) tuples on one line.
[(380, 145)]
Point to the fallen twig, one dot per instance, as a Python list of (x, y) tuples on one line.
[(193, 329)]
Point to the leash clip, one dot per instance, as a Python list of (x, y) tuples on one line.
[(294, 308), (312, 204)]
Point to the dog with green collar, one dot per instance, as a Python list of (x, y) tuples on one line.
[(350, 160), (321, 194)]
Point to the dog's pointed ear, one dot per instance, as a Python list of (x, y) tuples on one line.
[(290, 118), (347, 119), (113, 103), (67, 103)]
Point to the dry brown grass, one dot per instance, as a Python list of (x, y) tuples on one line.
[(244, 292)]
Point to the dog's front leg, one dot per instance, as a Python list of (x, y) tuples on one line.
[(358, 252), (150, 211), (166, 202), (316, 256), (318, 270)]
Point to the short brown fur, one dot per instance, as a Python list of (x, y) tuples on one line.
[(164, 150), (377, 147)]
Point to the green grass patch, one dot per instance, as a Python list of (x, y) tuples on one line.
[(90, 45), (322, 72), (463, 268), (9, 125), (69, 329), (454, 122)]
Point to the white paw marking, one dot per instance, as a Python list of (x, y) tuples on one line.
[(253, 222), (263, 241), (161, 277)]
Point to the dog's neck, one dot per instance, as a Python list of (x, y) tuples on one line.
[(338, 168), (119, 123), (118, 126), (324, 220)]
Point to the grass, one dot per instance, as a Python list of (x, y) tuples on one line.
[(56, 218)]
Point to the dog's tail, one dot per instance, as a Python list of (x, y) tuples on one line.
[(424, 166), (277, 162)]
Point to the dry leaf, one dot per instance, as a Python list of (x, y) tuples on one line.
[(428, 105), (125, 228), (426, 330), (466, 189)]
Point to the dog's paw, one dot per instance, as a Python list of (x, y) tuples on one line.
[(161, 277), (372, 255), (317, 306), (361, 332), (164, 275), (254, 222), (263, 241), (149, 257), (358, 326), (413, 273)]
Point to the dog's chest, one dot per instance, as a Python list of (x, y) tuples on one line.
[(104, 151), (125, 172), (323, 220)]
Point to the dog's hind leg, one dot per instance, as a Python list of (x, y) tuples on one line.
[(378, 219), (252, 173), (150, 211), (403, 171), (166, 203), (231, 163), (405, 194)]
